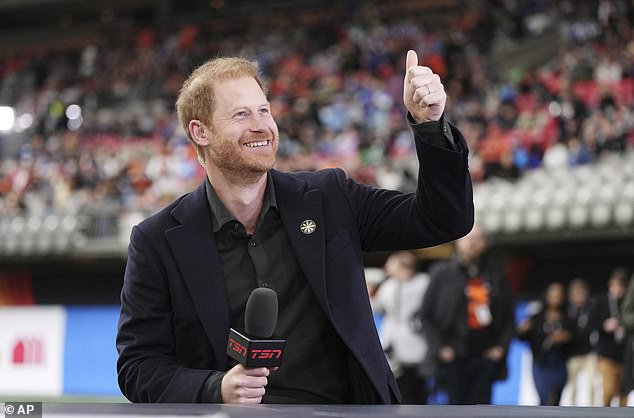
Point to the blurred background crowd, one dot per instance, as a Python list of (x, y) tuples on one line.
[(92, 122), (447, 331), (542, 90)]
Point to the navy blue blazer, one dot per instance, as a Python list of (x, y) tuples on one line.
[(174, 321)]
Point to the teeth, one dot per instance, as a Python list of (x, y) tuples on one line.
[(257, 144)]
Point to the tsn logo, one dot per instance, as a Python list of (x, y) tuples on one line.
[(266, 354), (237, 347)]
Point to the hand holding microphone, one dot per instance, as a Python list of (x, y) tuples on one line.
[(254, 348), (244, 385)]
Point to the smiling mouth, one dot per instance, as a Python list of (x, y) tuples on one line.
[(258, 144)]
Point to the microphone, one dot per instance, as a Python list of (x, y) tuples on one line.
[(256, 346)]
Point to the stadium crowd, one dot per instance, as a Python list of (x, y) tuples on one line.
[(96, 125)]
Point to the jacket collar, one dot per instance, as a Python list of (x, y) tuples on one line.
[(301, 209), (196, 253)]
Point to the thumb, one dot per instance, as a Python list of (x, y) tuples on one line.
[(412, 59)]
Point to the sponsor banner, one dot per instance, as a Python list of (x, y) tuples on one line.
[(32, 350)]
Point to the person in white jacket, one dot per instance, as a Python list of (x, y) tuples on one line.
[(398, 298)]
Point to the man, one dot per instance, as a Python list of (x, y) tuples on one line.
[(192, 266), (627, 319), (468, 319), (582, 358), (612, 337), (399, 298)]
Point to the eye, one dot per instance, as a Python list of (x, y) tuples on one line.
[(265, 111), (241, 114)]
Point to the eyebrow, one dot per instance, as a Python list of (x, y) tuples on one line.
[(238, 108)]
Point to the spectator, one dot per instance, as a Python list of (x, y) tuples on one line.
[(627, 319), (549, 333), (579, 102), (582, 358), (611, 343), (468, 318), (398, 298), (374, 277)]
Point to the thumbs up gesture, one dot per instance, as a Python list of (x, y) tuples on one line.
[(423, 93)]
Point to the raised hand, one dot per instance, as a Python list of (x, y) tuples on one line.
[(423, 93)]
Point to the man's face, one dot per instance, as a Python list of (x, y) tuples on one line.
[(616, 288), (245, 137), (578, 296)]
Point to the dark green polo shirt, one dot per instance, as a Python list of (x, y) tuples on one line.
[(314, 368)]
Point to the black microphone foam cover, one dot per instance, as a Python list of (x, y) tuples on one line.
[(260, 315)]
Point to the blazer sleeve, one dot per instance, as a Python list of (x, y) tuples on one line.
[(440, 210), (147, 368)]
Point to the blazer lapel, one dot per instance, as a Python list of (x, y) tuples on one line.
[(302, 215), (196, 253)]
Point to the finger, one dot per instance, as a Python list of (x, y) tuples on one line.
[(411, 62), (257, 371), (250, 401), (253, 382), (426, 78), (420, 71), (431, 99), (250, 393), (412, 59), (426, 90)]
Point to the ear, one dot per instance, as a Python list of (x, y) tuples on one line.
[(199, 132)]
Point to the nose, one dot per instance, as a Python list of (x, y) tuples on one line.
[(259, 122)]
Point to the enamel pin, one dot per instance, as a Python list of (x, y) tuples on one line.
[(308, 226)]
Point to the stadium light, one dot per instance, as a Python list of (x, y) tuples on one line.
[(74, 124), (23, 122), (7, 118), (73, 112)]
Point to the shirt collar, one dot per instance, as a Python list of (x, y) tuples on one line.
[(220, 215)]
